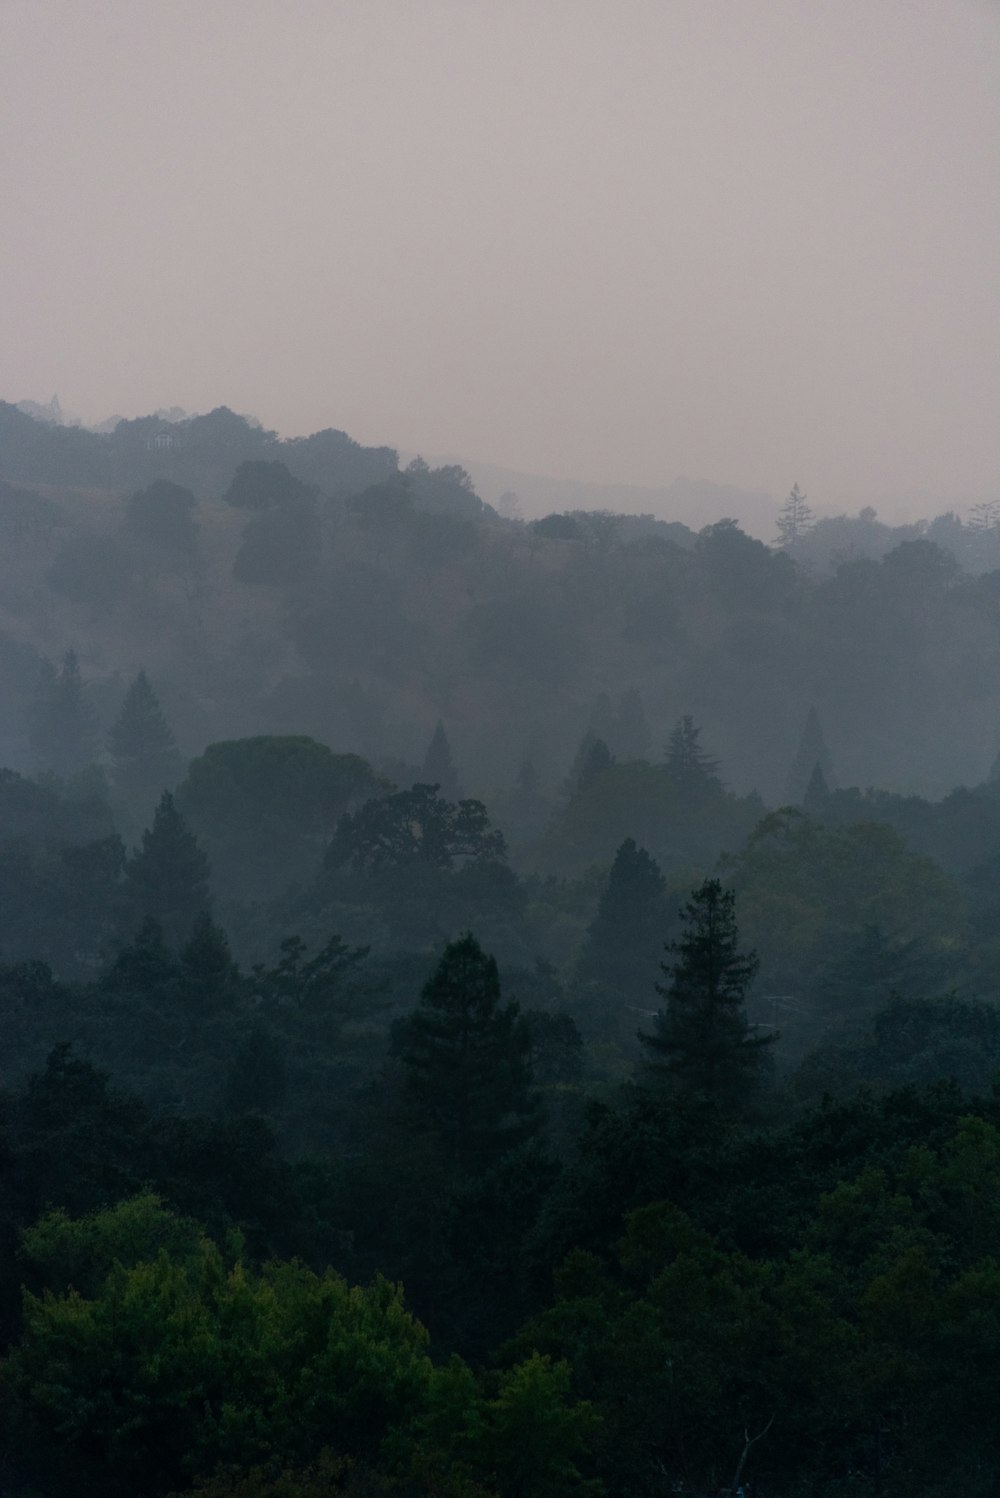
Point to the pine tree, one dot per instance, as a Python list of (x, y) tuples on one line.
[(591, 760), (618, 962), (466, 1056), (63, 731), (703, 1044), (210, 979), (817, 793), (438, 767), (985, 516), (796, 518), (812, 752), (690, 767), (143, 751), (168, 877)]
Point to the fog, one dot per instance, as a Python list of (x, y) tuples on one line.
[(745, 243)]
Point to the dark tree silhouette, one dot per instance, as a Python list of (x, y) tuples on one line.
[(690, 767), (439, 768), (144, 756), (703, 1045), (812, 753), (168, 876), (619, 958), (63, 730), (796, 518), (466, 1058), (413, 829)]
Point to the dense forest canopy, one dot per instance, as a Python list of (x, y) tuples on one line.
[(488, 1008)]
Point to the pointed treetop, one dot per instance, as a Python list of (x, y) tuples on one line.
[(703, 1044), (812, 751), (438, 767), (592, 759), (817, 793), (168, 877), (63, 727), (141, 731), (632, 897), (467, 1059), (690, 767), (796, 519)]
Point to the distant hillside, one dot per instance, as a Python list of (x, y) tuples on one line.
[(694, 502)]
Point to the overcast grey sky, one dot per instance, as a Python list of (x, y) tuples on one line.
[(745, 240)]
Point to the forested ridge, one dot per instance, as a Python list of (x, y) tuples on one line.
[(488, 1007)]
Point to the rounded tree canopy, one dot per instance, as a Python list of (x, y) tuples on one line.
[(290, 780)]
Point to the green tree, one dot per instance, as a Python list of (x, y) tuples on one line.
[(438, 767), (63, 729), (796, 518), (812, 754), (185, 1359), (265, 807), (618, 962), (592, 759), (466, 1059), (413, 829), (691, 769), (703, 1043), (163, 514), (168, 877), (144, 756)]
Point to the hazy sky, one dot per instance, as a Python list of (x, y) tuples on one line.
[(745, 240)]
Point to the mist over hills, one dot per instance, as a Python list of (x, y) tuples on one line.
[(693, 502)]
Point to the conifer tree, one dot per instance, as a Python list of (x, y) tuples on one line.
[(591, 760), (466, 1056), (703, 1045), (63, 731), (619, 958), (690, 767), (817, 794), (144, 754), (812, 752), (168, 876), (438, 767), (210, 979), (796, 518)]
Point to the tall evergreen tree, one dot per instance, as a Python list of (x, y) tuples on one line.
[(63, 730), (796, 518), (144, 754), (210, 979), (591, 760), (817, 793), (618, 963), (439, 768), (812, 751), (168, 877), (690, 767), (703, 1044), (466, 1057)]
